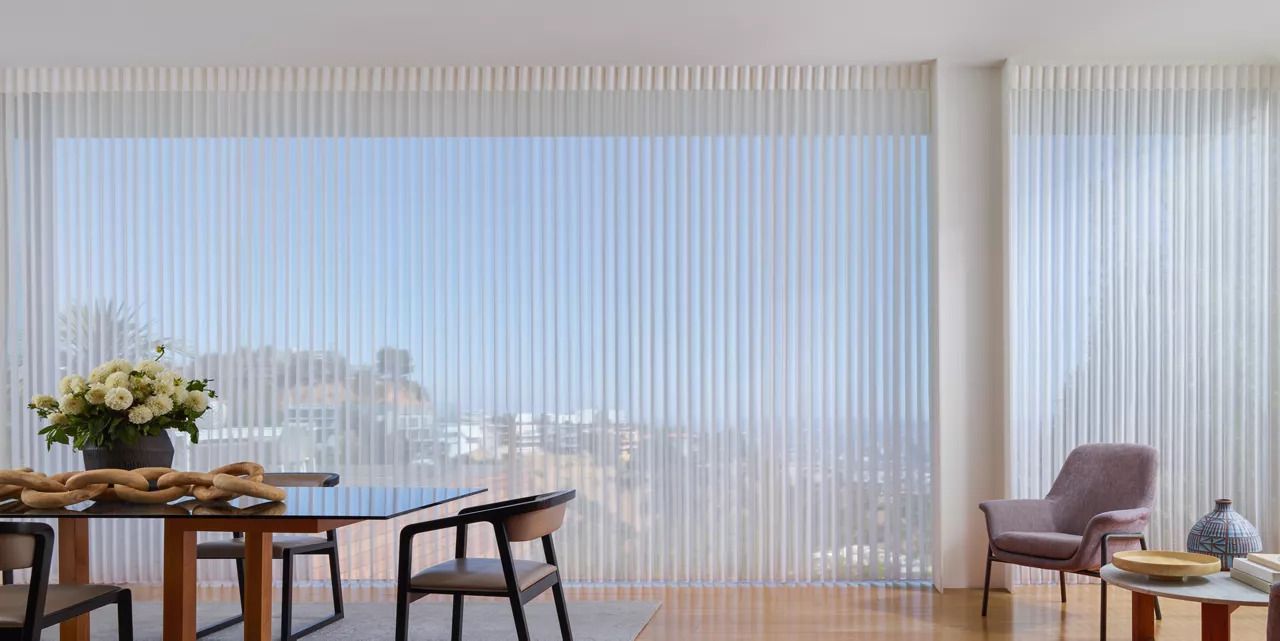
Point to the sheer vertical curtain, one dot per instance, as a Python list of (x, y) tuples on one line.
[(698, 295), (1142, 259)]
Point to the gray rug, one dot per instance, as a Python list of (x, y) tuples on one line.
[(485, 620)]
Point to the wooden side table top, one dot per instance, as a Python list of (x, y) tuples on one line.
[(1217, 588)]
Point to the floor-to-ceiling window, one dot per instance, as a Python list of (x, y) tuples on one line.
[(1142, 259), (700, 296)]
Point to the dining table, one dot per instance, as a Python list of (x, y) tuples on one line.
[(305, 510)]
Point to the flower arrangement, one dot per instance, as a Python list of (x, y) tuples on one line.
[(120, 402)]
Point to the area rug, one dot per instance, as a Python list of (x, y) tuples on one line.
[(485, 620)]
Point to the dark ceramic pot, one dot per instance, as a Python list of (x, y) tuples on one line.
[(149, 451)]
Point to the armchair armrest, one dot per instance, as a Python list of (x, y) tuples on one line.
[(478, 514), (1018, 515), (1116, 524)]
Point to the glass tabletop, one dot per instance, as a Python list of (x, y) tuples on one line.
[(343, 502)]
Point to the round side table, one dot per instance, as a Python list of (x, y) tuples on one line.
[(1218, 595)]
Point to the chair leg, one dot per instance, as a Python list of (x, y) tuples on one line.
[(402, 615), (240, 582), (517, 612), (286, 596), (1062, 585), (455, 633), (1102, 622), (562, 612), (335, 580), (986, 585), (124, 615)]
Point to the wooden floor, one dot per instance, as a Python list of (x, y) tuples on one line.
[(813, 613)]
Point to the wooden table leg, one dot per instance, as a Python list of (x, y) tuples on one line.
[(1144, 617), (257, 586), (73, 567), (179, 582), (1215, 621)]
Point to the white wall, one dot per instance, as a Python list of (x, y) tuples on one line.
[(969, 453)]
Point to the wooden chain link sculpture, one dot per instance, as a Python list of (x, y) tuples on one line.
[(146, 485)]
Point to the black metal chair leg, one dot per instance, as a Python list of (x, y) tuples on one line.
[(1102, 623), (562, 612), (1062, 585), (455, 633), (986, 585), (335, 580), (286, 596), (522, 624), (124, 615), (402, 615)]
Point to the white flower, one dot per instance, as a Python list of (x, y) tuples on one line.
[(118, 379), (150, 368), (168, 377), (139, 415), (99, 374), (162, 388), (160, 405), (44, 401), (119, 365), (72, 404), (197, 401), (97, 393), (71, 385), (119, 398), (179, 396), (57, 418)]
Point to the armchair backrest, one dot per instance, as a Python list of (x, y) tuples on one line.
[(1102, 477), (29, 545), (530, 517), (300, 479)]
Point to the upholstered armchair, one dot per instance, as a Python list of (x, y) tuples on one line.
[(1099, 503)]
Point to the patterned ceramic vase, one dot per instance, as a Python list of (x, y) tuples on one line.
[(1225, 534)]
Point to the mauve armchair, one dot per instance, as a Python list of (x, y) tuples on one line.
[(1100, 503)]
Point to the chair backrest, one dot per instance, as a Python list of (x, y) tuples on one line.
[(17, 551), (530, 517), (29, 545), (1102, 477), (300, 479)]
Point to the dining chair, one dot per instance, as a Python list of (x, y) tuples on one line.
[(284, 548), (26, 610), (519, 581), (1102, 495)]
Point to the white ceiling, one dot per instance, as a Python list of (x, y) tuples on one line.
[(368, 32)]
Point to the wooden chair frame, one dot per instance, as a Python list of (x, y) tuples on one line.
[(328, 548), (496, 514), (36, 620)]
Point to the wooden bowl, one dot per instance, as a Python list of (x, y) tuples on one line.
[(1166, 566)]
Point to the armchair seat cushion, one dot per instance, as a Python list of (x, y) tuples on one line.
[(1046, 545), (234, 548), (478, 575), (13, 600)]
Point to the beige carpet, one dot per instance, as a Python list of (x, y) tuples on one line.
[(486, 620)]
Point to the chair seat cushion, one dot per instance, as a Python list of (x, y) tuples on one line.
[(478, 575), (1046, 545), (234, 548), (13, 600)]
